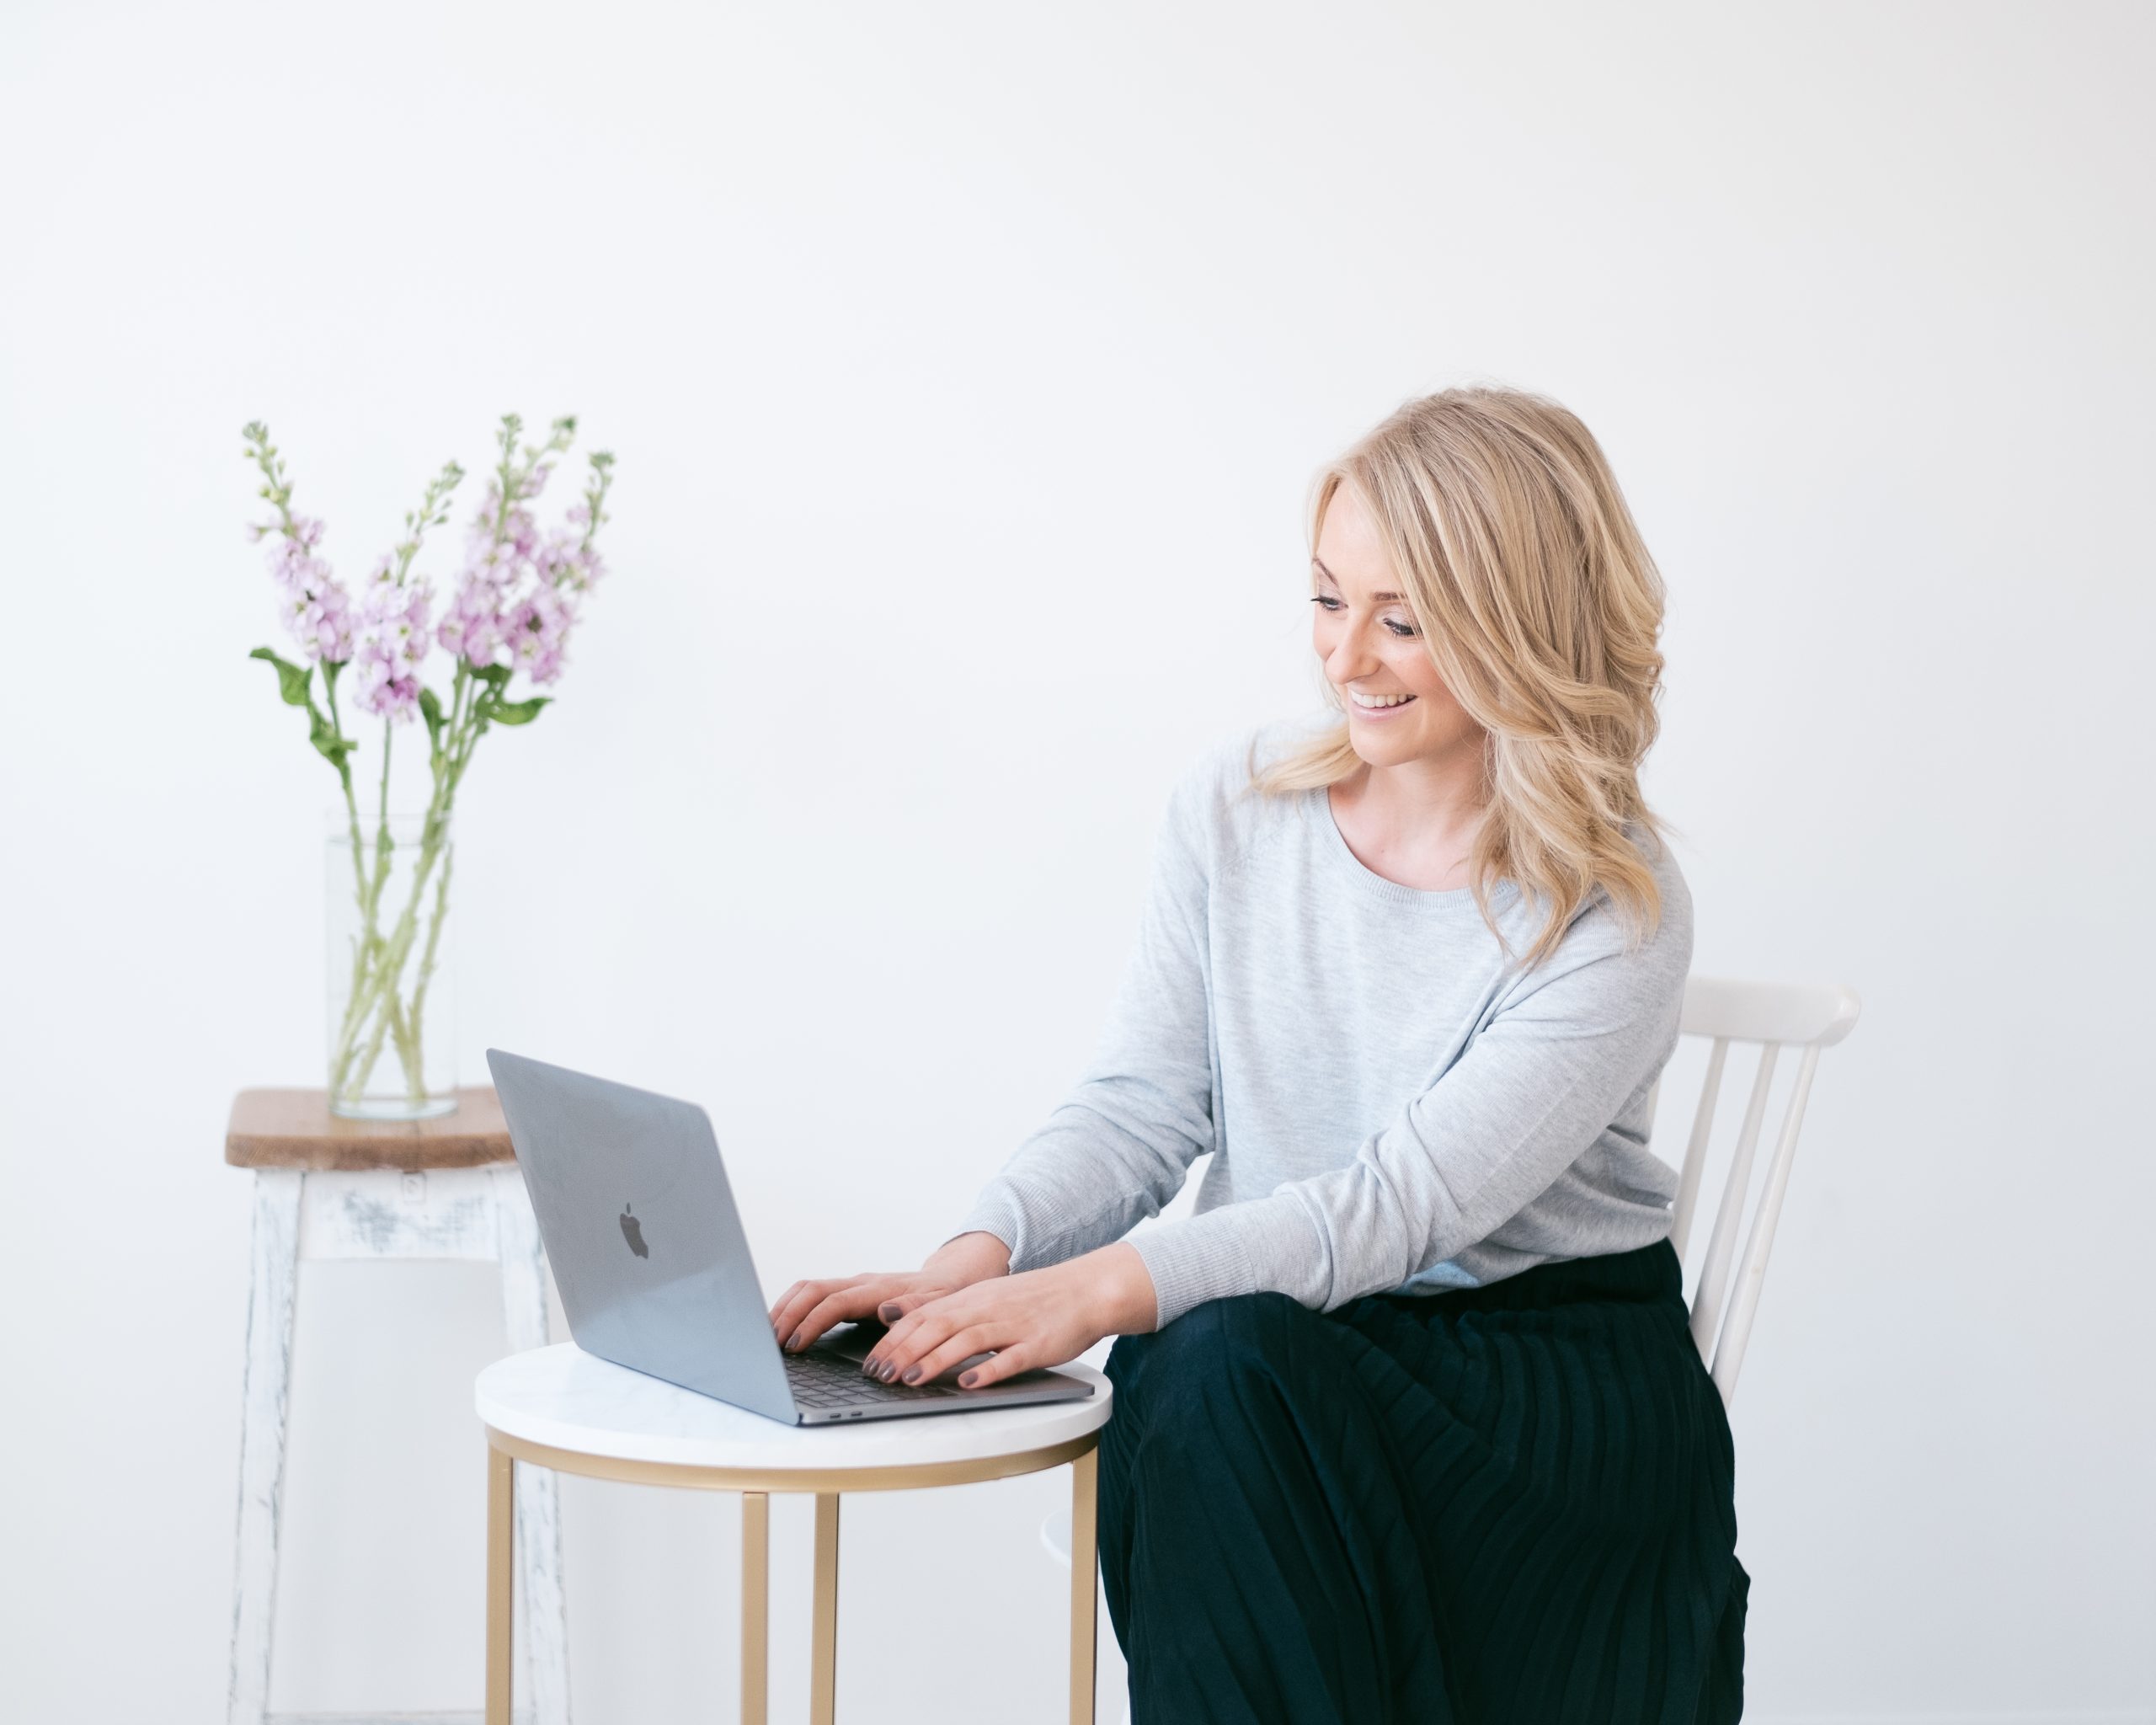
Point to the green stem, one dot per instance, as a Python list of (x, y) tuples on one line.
[(374, 1009), (351, 801), (384, 851), (366, 945), (379, 1001), (414, 1085), (388, 735)]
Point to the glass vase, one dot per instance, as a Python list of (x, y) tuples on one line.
[(393, 1002)]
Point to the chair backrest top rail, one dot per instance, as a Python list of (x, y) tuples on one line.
[(1795, 1013)]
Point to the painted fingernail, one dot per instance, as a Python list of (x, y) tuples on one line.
[(890, 1371), (966, 1380), (888, 1311), (913, 1374), (794, 1340)]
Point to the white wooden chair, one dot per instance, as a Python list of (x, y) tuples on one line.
[(1805, 1016)]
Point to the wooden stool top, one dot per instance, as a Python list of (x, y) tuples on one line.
[(294, 1128)]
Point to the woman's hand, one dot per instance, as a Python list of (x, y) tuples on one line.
[(1037, 1318), (809, 1309)]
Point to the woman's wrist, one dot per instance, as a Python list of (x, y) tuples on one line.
[(967, 1258), (1125, 1303)]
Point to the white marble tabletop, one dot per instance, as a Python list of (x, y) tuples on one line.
[(567, 1399)]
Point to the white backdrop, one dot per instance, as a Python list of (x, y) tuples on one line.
[(966, 366)]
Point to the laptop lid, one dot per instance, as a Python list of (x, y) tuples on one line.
[(639, 1225)]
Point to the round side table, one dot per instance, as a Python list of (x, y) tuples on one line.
[(566, 1410)]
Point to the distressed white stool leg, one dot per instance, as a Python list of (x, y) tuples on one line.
[(265, 1398), (544, 1626)]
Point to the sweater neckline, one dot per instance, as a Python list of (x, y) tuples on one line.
[(1361, 878)]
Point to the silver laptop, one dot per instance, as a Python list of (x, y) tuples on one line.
[(639, 1225)]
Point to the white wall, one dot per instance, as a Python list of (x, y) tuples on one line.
[(966, 365)]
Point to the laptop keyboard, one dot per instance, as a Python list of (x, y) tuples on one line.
[(832, 1381)]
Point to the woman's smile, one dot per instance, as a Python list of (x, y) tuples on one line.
[(1362, 706)]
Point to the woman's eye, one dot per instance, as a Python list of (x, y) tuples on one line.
[(1406, 632)]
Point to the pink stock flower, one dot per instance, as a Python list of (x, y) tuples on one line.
[(380, 689), (394, 640), (317, 610), (514, 601), (471, 627), (564, 560), (538, 630)]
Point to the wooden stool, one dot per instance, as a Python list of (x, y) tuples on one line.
[(330, 1188), (560, 1410)]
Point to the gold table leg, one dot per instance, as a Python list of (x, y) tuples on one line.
[(755, 1607), (756, 1582), (501, 1555), (1085, 1479), (824, 1637)]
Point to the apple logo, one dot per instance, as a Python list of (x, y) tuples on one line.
[(632, 1231)]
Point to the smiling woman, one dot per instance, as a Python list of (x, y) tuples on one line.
[(1409, 1424), (1371, 649), (1477, 542)]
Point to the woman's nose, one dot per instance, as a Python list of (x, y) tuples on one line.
[(1350, 656)]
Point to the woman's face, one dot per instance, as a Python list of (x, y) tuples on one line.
[(1372, 651)]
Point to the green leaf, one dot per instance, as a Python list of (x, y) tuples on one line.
[(292, 679), (496, 675), (430, 711), (516, 711), (328, 744)]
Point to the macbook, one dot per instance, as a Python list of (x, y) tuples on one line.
[(647, 1248)]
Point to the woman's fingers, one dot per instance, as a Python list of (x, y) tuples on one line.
[(959, 1344), (793, 1305), (1004, 1362), (855, 1299), (800, 1300), (808, 1309), (784, 1300), (915, 1333)]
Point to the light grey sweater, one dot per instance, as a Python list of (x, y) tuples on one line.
[(1391, 1104)]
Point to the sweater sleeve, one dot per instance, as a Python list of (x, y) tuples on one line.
[(1121, 1145), (1530, 1093)]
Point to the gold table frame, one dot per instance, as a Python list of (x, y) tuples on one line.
[(757, 1485)]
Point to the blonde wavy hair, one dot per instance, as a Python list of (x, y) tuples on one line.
[(1540, 608)]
